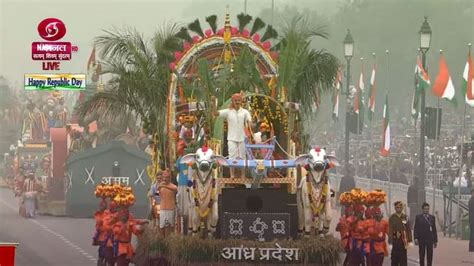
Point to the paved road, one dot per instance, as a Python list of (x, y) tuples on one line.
[(58, 241), (46, 240), (450, 252)]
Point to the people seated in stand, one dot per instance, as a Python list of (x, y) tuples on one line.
[(463, 177)]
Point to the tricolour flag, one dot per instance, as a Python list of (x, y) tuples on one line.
[(415, 108), (91, 60), (372, 92), (415, 104), (443, 87), (359, 93), (468, 81), (94, 73), (421, 75), (385, 150), (335, 96)]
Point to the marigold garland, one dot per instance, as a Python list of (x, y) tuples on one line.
[(198, 202), (376, 197), (346, 198), (124, 199), (121, 195), (358, 196), (317, 204)]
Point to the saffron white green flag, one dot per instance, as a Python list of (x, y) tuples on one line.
[(415, 107), (358, 96), (423, 78), (335, 96), (385, 150), (443, 87), (468, 81), (372, 93)]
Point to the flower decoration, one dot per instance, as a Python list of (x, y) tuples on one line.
[(177, 55), (266, 45), (100, 191), (274, 55), (359, 195), (172, 66), (346, 198), (376, 197), (121, 195), (186, 45), (256, 37), (125, 197)]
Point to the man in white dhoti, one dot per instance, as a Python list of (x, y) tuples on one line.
[(237, 119), (30, 194)]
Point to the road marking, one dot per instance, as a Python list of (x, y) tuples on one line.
[(47, 229), (413, 261)]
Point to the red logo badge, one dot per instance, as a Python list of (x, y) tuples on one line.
[(51, 29)]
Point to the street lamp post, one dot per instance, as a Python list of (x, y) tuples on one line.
[(348, 53), (425, 40)]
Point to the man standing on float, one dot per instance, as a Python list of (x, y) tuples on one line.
[(237, 119)]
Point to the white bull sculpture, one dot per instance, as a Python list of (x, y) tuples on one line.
[(202, 194), (314, 194)]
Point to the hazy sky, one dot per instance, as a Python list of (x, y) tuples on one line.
[(86, 19)]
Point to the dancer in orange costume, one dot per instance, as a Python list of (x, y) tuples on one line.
[(368, 223), (109, 219), (122, 231), (100, 234), (343, 227), (378, 233), (357, 232)]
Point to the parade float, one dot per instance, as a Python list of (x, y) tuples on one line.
[(255, 219), (10, 118), (41, 150), (111, 163)]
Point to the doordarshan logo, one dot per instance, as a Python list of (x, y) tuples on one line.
[(52, 52), (51, 29)]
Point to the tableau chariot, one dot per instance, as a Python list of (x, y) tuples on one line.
[(234, 141), (278, 188)]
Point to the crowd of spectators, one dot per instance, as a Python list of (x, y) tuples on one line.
[(442, 157)]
